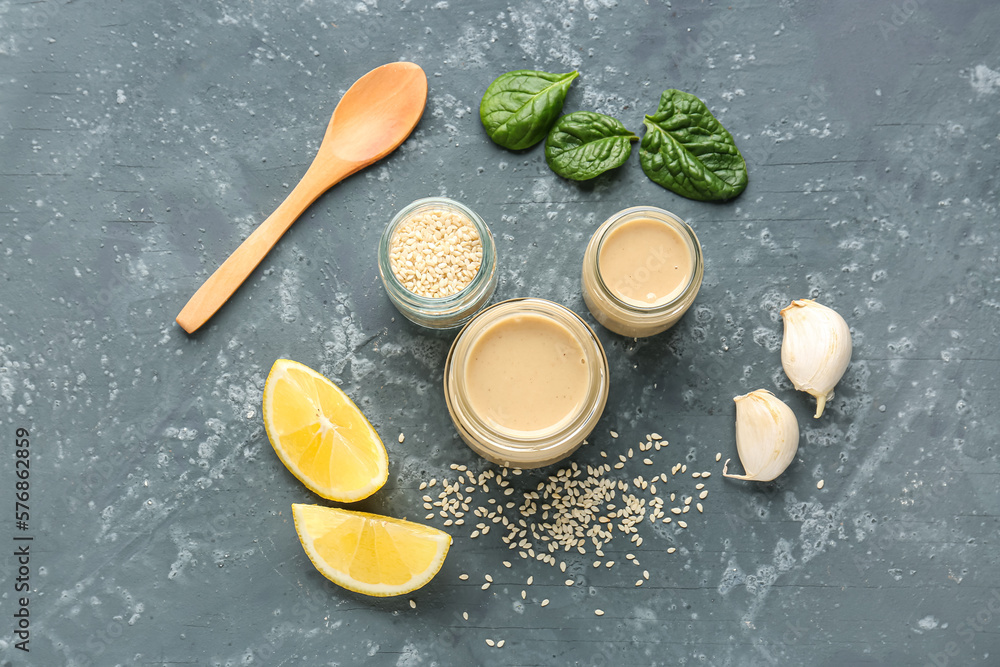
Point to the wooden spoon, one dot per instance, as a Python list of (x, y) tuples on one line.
[(375, 116)]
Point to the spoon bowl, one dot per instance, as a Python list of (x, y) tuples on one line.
[(373, 118)]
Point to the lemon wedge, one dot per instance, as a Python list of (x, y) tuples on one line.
[(320, 434), (368, 553)]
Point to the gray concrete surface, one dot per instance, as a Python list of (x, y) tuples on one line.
[(140, 142)]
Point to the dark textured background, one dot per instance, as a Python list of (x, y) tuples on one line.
[(140, 142)]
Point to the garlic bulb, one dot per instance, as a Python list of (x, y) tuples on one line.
[(767, 436), (815, 350)]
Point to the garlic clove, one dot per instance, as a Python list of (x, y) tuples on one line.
[(767, 436), (815, 350)]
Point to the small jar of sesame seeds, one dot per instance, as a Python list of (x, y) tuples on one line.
[(437, 260)]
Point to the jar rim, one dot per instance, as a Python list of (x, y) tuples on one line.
[(528, 448), (662, 215)]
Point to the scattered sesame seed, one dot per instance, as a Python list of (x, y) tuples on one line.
[(545, 602), (463, 576), (501, 643), (598, 612), (490, 642), (706, 474), (465, 615), (577, 508), (401, 437), (413, 604), (718, 456), (655, 436), (703, 494), (613, 434), (820, 483)]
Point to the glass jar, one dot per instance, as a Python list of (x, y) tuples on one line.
[(626, 317), (543, 443), (444, 312)]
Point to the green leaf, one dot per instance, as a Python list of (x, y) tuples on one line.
[(519, 107), (585, 144), (685, 149)]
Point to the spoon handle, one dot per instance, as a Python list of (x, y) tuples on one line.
[(227, 278)]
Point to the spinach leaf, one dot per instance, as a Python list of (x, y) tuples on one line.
[(519, 107), (685, 149), (585, 144)]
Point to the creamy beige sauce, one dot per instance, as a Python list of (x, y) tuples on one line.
[(526, 373), (645, 262)]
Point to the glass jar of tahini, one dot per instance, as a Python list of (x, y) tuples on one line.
[(437, 260), (641, 271), (526, 381)]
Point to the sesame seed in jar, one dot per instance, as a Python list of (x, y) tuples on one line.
[(435, 253)]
